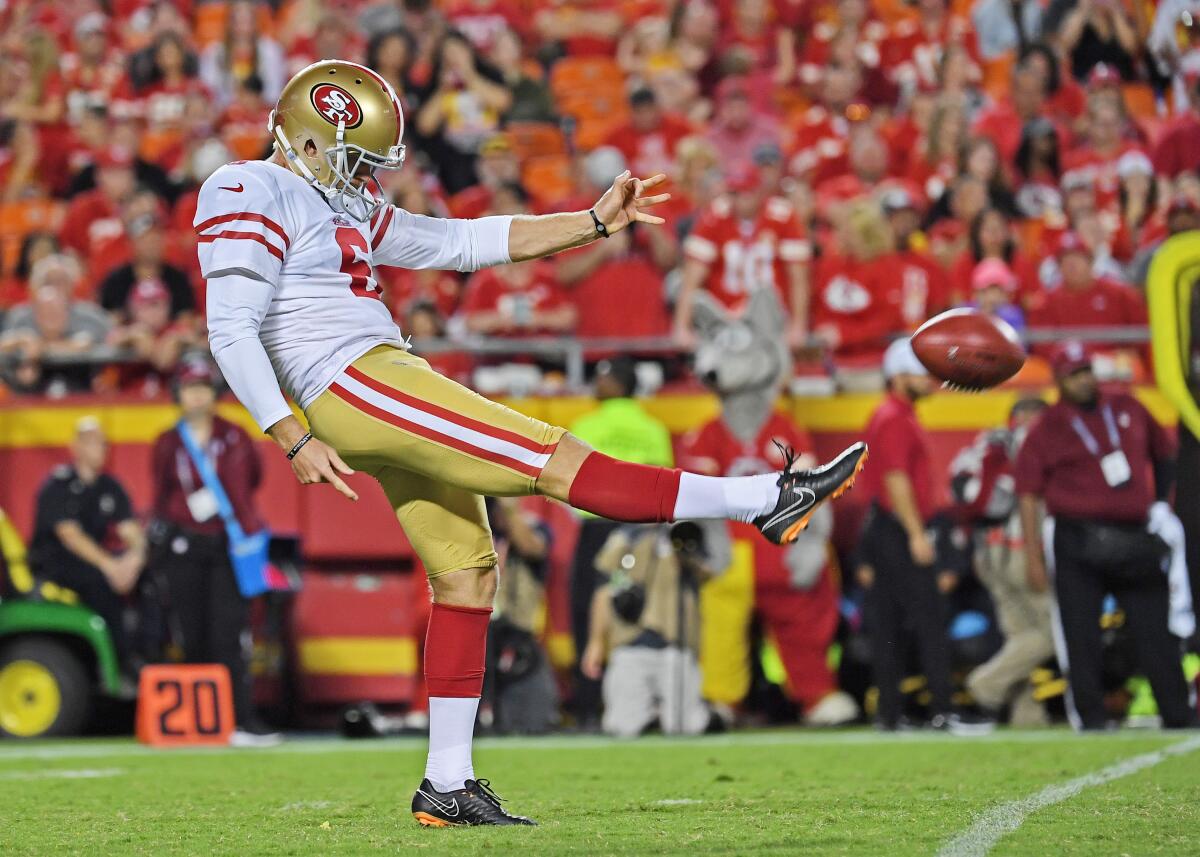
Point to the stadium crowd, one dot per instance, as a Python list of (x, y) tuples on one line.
[(874, 161)]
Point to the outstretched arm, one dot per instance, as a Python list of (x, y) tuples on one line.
[(531, 237)]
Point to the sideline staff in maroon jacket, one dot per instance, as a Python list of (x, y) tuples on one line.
[(1098, 461), (191, 548)]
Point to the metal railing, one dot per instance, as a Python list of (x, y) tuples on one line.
[(573, 353)]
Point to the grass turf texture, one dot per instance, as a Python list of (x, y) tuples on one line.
[(777, 792)]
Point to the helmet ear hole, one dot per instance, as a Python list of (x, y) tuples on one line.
[(310, 148)]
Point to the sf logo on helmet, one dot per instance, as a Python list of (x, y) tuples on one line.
[(336, 105)]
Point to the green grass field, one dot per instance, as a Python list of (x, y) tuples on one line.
[(771, 792)]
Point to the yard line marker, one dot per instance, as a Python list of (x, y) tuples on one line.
[(51, 774), (978, 839), (678, 801)]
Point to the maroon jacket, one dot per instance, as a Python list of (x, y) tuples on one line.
[(175, 477)]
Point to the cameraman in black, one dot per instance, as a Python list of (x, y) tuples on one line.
[(645, 624)]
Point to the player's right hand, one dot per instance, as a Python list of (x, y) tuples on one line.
[(318, 462)]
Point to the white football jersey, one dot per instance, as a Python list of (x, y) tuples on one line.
[(260, 220)]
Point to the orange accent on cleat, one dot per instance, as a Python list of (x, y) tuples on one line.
[(428, 820), (793, 532)]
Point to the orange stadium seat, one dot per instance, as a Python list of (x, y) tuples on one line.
[(997, 75), (1140, 100), (18, 219), (592, 90), (535, 139), (209, 23), (547, 178)]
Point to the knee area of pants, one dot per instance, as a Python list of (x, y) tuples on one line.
[(468, 587)]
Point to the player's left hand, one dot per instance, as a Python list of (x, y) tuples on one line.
[(623, 203)]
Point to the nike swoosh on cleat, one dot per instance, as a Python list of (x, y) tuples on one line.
[(444, 807), (808, 498), (237, 189)]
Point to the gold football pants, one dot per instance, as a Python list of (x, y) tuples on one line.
[(435, 447)]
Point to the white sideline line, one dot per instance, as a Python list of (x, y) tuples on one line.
[(76, 749), (51, 774), (978, 839)]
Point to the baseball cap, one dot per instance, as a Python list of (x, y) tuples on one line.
[(147, 291), (1103, 74), (993, 272), (1076, 180), (742, 177), (900, 359), (196, 370), (114, 156), (1069, 358), (947, 229), (1134, 163), (1070, 242)]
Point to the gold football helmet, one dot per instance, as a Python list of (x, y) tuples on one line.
[(337, 122)]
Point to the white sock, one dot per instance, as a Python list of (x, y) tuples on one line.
[(736, 498), (451, 728)]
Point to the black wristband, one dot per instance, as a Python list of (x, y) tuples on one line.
[(601, 229), (299, 445)]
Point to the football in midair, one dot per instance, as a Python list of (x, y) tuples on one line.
[(968, 349)]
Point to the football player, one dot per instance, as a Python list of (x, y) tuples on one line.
[(288, 246)]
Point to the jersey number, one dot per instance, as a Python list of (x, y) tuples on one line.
[(354, 262), (748, 267)]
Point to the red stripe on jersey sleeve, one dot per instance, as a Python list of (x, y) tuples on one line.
[(385, 220), (252, 217), (250, 236)]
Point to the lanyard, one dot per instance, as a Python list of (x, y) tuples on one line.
[(1089, 440)]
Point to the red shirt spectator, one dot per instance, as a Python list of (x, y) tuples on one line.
[(482, 20), (92, 226), (1083, 300), (919, 286), (1178, 150), (854, 304), (898, 443), (1096, 158), (739, 128), (1003, 122), (95, 72), (403, 287), (649, 138), (517, 300), (746, 253), (913, 49)]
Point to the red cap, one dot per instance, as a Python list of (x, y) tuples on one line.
[(1103, 74), (742, 177), (947, 229), (1069, 358), (196, 370), (993, 272), (735, 85), (148, 291), (1070, 242), (114, 156)]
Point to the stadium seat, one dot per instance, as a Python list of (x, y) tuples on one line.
[(209, 23), (1140, 100), (18, 219), (535, 139), (592, 90), (997, 76), (547, 177)]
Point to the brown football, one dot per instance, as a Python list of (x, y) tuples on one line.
[(968, 349)]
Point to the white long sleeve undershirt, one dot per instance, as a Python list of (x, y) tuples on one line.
[(236, 306)]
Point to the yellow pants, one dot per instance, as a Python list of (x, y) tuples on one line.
[(435, 447), (726, 608)]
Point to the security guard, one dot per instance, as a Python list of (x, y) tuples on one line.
[(1104, 469), (85, 536)]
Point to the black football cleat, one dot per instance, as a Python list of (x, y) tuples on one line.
[(474, 804), (801, 492)]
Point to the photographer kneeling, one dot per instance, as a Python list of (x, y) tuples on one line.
[(645, 623)]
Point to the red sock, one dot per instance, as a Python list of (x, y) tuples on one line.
[(622, 491), (455, 648)]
